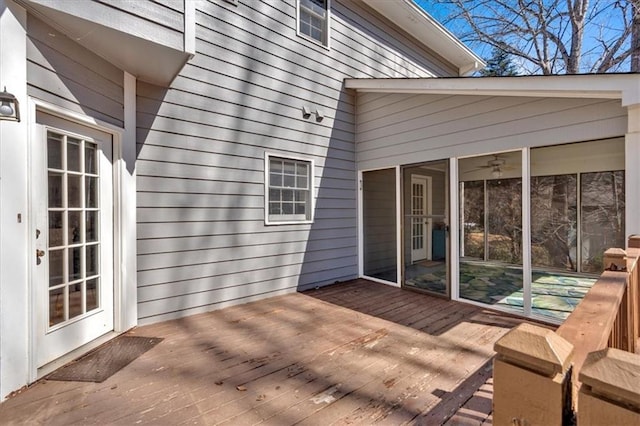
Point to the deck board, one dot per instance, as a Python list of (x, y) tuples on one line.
[(352, 353)]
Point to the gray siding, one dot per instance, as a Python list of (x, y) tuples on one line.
[(161, 22), (66, 74), (405, 129), (202, 241)]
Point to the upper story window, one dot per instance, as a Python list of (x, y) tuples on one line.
[(289, 190), (313, 20)]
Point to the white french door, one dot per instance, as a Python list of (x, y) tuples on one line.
[(421, 222), (72, 195)]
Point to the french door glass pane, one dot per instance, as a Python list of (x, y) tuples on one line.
[(73, 227)]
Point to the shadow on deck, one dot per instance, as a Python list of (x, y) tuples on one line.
[(357, 352)]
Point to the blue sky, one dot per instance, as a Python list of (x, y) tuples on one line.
[(608, 23)]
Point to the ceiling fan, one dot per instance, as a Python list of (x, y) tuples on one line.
[(497, 165)]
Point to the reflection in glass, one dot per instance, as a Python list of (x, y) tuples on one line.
[(90, 158), (92, 294), (75, 263), (54, 151), (554, 221), (56, 267), (379, 224), (73, 154), (55, 189), (56, 236), (91, 226), (490, 223), (75, 300), (74, 191), (602, 216), (75, 227), (91, 199), (472, 220), (92, 260), (56, 306), (504, 220)]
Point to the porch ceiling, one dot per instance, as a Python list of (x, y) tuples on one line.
[(595, 86)]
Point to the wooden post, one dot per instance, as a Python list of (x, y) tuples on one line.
[(531, 377), (615, 259), (610, 391), (634, 241)]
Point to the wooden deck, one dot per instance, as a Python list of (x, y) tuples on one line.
[(353, 353)]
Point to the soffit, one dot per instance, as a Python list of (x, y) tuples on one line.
[(407, 15), (147, 60)]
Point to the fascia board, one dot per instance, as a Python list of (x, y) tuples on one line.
[(603, 86), (408, 16)]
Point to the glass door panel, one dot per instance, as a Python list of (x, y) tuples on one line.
[(490, 223), (425, 207), (379, 224)]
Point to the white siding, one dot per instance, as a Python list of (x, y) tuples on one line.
[(405, 129), (202, 240)]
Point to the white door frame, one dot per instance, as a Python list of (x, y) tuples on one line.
[(123, 280), (427, 209)]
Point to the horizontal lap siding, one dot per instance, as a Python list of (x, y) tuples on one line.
[(202, 241), (66, 74), (404, 129), (159, 21)]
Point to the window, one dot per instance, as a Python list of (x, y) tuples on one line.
[(289, 183), (313, 19)]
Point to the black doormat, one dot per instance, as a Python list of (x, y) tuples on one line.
[(106, 360)]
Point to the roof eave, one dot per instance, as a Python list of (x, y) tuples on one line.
[(407, 15), (625, 87)]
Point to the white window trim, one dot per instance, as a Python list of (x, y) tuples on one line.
[(327, 27), (312, 201)]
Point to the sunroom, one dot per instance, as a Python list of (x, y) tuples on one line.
[(501, 192)]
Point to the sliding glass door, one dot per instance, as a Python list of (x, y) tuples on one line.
[(576, 210), (379, 225), (490, 223)]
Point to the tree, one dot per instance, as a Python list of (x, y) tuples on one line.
[(499, 65), (551, 36)]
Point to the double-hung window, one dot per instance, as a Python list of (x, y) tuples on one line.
[(313, 20), (289, 190)]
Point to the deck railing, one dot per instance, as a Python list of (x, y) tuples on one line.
[(588, 369)]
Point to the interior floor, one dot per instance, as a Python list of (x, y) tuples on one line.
[(554, 294)]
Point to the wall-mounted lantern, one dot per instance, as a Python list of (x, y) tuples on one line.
[(9, 107)]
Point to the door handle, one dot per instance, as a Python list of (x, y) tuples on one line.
[(39, 254)]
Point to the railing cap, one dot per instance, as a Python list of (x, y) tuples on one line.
[(614, 374), (535, 348), (634, 241), (615, 259)]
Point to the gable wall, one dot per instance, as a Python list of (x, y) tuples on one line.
[(405, 128), (202, 241)]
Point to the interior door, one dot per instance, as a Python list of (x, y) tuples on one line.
[(421, 223), (72, 190)]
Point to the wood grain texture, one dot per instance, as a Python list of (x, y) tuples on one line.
[(357, 352)]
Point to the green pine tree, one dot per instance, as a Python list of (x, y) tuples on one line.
[(499, 65)]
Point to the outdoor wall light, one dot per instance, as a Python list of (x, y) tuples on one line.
[(9, 106)]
